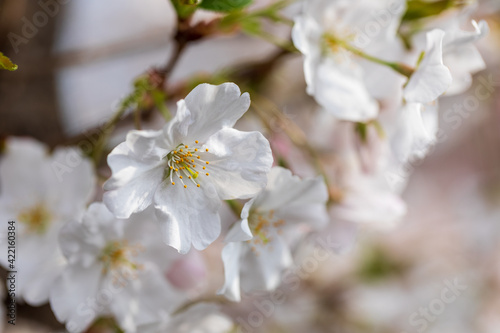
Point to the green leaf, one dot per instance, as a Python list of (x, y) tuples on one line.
[(6, 63), (362, 129), (224, 5), (419, 9), (185, 8)]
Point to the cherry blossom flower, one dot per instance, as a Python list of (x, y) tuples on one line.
[(259, 245), (329, 34), (461, 55), (40, 200), (432, 78), (186, 169), (414, 131), (115, 268)]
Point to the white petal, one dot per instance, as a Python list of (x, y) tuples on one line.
[(462, 57), (200, 318), (231, 256), (143, 228), (136, 175), (284, 190), (21, 167), (340, 90), (141, 300), (416, 131), (239, 163), (69, 297), (76, 186), (368, 203), (40, 261), (432, 78), (206, 110), (188, 215), (262, 270), (37, 291)]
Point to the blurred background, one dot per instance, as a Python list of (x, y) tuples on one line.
[(437, 272)]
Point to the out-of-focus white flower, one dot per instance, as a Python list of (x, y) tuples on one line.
[(186, 169), (359, 171), (461, 55), (259, 247), (115, 268), (40, 199), (334, 75), (414, 131), (432, 78), (366, 201), (200, 318)]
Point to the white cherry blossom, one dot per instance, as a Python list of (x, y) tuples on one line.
[(461, 55), (186, 169), (326, 34), (40, 200), (259, 245), (115, 268), (431, 78)]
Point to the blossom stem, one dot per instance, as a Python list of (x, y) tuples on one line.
[(137, 118), (401, 68), (106, 130)]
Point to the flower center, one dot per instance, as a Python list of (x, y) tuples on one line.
[(185, 164), (263, 227), (37, 219), (117, 258)]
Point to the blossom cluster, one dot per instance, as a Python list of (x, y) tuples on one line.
[(136, 255)]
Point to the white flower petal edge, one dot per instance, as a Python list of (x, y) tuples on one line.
[(111, 271), (334, 76), (462, 57), (432, 78), (186, 169), (41, 191), (370, 204), (416, 131), (137, 169), (259, 245), (199, 318)]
